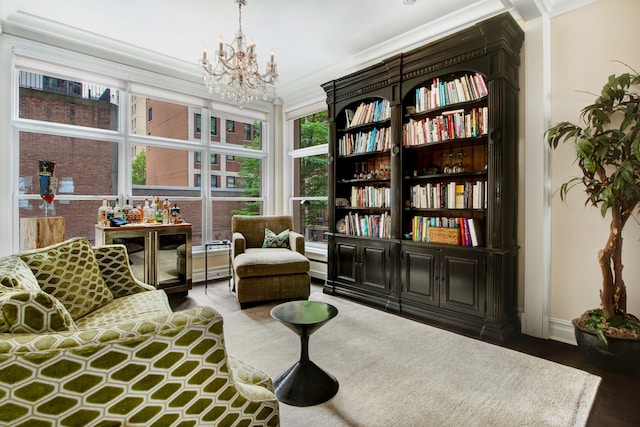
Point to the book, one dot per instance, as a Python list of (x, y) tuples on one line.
[(474, 225), (467, 232), (459, 196)]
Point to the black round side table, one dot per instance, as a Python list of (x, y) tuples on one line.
[(305, 383)]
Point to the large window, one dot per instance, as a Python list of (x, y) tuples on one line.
[(310, 166), (170, 148), (67, 123)]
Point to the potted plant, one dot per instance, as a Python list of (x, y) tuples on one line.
[(607, 144)]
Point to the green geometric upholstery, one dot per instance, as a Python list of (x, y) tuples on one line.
[(24, 308), (69, 271), (113, 261), (33, 312), (134, 307), (15, 274), (124, 369), (273, 240)]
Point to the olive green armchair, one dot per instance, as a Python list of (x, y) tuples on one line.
[(82, 342), (269, 261)]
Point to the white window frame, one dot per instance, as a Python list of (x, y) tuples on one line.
[(293, 154), (57, 62)]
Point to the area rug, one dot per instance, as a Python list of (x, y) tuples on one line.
[(397, 372)]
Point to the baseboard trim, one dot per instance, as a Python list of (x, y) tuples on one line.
[(562, 330)]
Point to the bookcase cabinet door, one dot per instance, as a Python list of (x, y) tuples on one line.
[(420, 275), (375, 262), (346, 262), (362, 265), (462, 284)]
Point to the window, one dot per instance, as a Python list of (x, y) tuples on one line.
[(247, 132), (197, 126), (310, 169), (158, 151), (198, 123), (86, 164), (214, 126), (56, 100), (230, 126)]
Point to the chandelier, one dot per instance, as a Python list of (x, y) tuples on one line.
[(236, 76)]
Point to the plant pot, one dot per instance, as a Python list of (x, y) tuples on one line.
[(620, 355)]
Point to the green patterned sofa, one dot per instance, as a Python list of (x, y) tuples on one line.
[(83, 343)]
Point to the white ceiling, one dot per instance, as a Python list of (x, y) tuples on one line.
[(314, 41)]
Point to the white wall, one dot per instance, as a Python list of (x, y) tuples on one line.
[(584, 43)]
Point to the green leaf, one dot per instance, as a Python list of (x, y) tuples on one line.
[(601, 335), (616, 320)]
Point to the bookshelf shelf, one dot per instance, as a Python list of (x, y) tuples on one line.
[(439, 143)]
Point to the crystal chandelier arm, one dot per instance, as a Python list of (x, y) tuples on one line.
[(236, 74)]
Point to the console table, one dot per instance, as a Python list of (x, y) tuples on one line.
[(160, 254)]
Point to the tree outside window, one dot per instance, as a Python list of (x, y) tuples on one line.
[(310, 175)]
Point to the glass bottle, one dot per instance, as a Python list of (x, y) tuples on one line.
[(147, 215), (165, 211), (117, 210), (102, 212), (126, 211), (139, 214)]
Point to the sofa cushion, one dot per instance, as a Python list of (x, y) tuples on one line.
[(269, 262), (130, 308), (32, 312), (69, 271), (273, 240), (15, 274)]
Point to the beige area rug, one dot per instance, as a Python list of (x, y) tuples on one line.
[(397, 372)]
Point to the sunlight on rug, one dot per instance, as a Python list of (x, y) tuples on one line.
[(397, 372)]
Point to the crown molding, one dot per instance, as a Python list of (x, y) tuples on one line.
[(39, 29), (43, 30)]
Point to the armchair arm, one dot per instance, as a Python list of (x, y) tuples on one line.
[(238, 244), (114, 266), (296, 242)]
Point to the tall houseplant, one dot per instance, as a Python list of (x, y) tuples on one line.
[(607, 147)]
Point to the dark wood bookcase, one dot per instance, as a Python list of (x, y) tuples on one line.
[(423, 171)]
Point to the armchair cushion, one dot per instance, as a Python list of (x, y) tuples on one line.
[(70, 273), (135, 307), (273, 240), (32, 312), (15, 274), (256, 262)]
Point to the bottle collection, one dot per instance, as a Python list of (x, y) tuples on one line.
[(154, 212)]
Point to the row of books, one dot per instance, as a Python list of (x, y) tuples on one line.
[(377, 139), (469, 229), (368, 112), (368, 225), (370, 197), (449, 125), (449, 195), (469, 87)]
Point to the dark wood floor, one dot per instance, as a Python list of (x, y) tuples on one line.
[(617, 403)]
